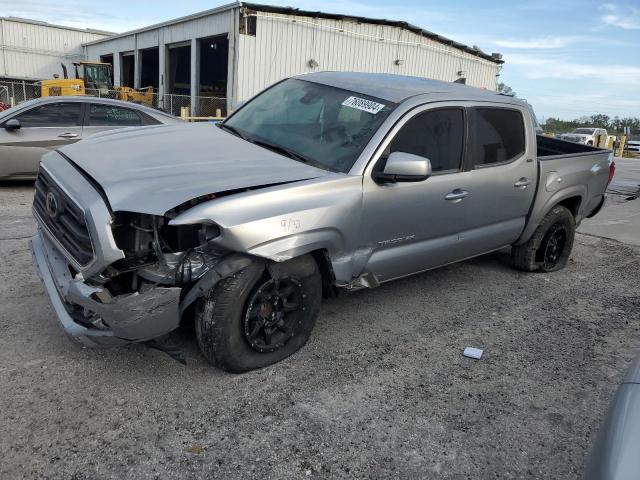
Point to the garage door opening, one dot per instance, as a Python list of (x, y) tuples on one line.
[(149, 68), (179, 70), (107, 59), (127, 69), (214, 62)]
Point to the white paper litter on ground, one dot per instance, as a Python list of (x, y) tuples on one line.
[(473, 353)]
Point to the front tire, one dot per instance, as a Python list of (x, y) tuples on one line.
[(549, 248), (257, 316)]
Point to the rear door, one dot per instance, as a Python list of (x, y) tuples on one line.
[(100, 117), (502, 164), (44, 127)]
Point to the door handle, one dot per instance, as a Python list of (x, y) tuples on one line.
[(456, 196), (68, 135), (522, 183)]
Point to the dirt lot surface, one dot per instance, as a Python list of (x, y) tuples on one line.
[(381, 390)]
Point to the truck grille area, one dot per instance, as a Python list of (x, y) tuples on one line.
[(62, 218)]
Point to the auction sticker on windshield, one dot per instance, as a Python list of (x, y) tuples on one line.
[(363, 104)]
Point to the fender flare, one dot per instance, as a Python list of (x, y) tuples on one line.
[(555, 199)]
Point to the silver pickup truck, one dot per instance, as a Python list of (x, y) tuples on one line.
[(323, 183)]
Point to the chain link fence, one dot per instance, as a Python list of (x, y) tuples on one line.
[(13, 93)]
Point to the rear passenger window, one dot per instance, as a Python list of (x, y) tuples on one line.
[(52, 115), (498, 136), (435, 134), (112, 116)]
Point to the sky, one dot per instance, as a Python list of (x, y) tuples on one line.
[(568, 58)]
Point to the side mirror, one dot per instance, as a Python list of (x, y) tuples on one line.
[(404, 167), (13, 124)]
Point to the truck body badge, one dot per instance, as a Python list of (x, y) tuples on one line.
[(393, 241)]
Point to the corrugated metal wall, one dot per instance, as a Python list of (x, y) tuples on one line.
[(34, 51), (188, 30), (202, 27), (284, 44)]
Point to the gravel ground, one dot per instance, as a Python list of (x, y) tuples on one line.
[(380, 391)]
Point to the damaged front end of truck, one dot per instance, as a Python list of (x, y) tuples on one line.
[(119, 277), (115, 275), (140, 296)]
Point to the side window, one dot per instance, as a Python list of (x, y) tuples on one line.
[(498, 136), (435, 134), (51, 115), (111, 116)]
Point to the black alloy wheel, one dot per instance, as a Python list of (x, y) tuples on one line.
[(272, 314), (553, 245)]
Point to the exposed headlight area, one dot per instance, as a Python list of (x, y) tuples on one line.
[(157, 253)]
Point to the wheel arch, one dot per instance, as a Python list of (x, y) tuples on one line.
[(572, 204), (571, 198)]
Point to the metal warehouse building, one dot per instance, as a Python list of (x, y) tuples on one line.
[(32, 50), (234, 51)]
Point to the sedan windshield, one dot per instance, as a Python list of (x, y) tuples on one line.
[(587, 131), (325, 126)]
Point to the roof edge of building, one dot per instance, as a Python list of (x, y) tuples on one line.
[(193, 16), (376, 21), (54, 25)]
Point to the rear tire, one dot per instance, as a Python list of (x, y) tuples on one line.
[(549, 247), (257, 317)]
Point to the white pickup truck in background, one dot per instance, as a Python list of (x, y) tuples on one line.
[(586, 136)]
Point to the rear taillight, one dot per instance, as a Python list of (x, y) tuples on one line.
[(612, 171)]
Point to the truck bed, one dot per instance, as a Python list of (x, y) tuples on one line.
[(552, 147), (572, 174)]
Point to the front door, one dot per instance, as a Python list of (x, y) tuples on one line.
[(42, 128), (415, 226)]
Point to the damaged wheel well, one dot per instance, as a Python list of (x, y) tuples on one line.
[(326, 270), (236, 262)]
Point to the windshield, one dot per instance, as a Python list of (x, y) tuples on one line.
[(588, 131), (99, 75), (325, 126)]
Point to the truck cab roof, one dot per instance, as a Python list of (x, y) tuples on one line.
[(398, 88)]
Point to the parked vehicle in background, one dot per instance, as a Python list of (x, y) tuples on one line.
[(633, 143), (324, 181), (32, 128), (614, 455), (586, 136)]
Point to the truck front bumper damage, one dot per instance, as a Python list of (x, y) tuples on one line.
[(124, 319)]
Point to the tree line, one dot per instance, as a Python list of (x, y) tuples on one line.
[(613, 125)]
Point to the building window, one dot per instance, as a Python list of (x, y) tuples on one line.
[(248, 23)]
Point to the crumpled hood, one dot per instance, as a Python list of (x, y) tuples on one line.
[(153, 169)]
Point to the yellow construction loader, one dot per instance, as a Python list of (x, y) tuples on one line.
[(93, 78)]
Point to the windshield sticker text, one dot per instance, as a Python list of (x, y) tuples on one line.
[(363, 104)]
